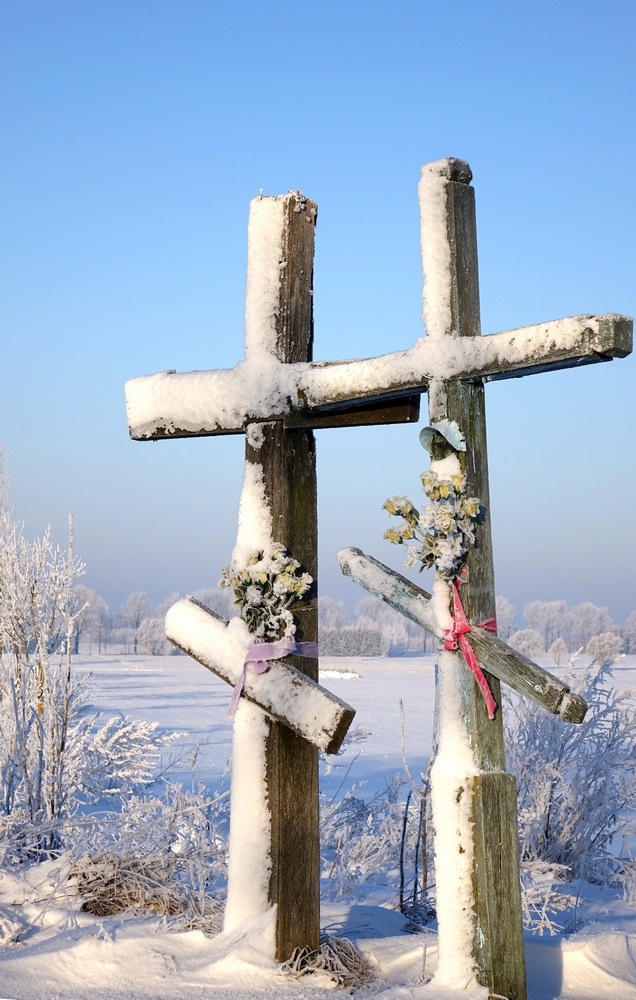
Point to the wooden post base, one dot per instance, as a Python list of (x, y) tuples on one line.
[(498, 931)]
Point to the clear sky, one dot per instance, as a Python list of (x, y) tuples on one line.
[(134, 134)]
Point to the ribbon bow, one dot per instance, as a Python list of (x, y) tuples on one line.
[(456, 638), (259, 656)]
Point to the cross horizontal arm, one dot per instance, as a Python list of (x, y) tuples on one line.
[(192, 404), (494, 655), (283, 692)]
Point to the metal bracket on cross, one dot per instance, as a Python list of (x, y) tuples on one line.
[(287, 695)]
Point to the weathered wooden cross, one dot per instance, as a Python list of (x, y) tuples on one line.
[(474, 800), (276, 396), (287, 717)]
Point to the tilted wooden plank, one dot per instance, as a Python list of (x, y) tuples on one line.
[(285, 693), (495, 656)]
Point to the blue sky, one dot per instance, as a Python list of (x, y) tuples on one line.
[(134, 135)]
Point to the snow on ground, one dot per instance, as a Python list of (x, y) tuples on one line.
[(71, 955)]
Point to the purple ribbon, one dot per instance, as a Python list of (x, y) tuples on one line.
[(259, 656)]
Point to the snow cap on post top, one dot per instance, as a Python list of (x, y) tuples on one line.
[(436, 251), (264, 259)]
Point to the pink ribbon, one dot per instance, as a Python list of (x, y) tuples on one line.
[(259, 656), (456, 638)]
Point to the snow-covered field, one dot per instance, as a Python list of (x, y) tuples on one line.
[(70, 954)]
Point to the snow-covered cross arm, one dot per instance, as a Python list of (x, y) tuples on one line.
[(495, 656), (287, 695), (194, 404)]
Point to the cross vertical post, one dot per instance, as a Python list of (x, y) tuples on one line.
[(279, 323), (451, 296)]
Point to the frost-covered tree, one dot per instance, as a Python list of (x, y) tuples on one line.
[(151, 635), (588, 620), (83, 607), (605, 648), (221, 601), (505, 618), (527, 641), (547, 618), (166, 604), (332, 615), (374, 615), (53, 755), (134, 610), (101, 622), (630, 632), (558, 651)]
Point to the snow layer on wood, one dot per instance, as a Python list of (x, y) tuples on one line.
[(387, 587), (436, 257), (452, 779), (255, 516), (264, 261), (225, 401), (284, 692), (210, 638), (249, 862)]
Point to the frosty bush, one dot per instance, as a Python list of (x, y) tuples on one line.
[(359, 839), (53, 757), (576, 784), (166, 854)]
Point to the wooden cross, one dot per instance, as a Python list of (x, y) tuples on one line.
[(462, 361), (275, 766), (277, 395)]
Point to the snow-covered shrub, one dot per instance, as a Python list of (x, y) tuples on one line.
[(374, 615), (528, 642), (166, 854), (576, 783), (361, 838), (605, 648)]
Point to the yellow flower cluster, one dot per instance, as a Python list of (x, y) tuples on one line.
[(443, 530), (264, 588)]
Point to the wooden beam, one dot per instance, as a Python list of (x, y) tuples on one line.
[(495, 865), (287, 460), (505, 663), (285, 693), (390, 410), (205, 404)]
